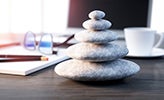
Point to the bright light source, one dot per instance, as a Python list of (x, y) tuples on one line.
[(157, 18), (25, 16), (4, 16), (55, 15), (20, 16)]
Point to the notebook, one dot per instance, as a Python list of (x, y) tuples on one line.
[(28, 67)]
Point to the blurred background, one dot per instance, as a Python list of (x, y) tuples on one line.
[(57, 16)]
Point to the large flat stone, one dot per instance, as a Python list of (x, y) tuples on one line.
[(91, 71)]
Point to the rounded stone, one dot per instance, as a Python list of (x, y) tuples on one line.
[(96, 14), (96, 36), (97, 25), (96, 52), (102, 71)]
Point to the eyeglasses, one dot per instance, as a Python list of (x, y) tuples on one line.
[(45, 44)]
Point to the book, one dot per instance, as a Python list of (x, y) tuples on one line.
[(27, 67)]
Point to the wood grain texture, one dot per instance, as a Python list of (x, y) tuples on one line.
[(46, 85)]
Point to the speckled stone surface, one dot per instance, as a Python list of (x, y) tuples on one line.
[(103, 71), (96, 57), (96, 36), (97, 24), (96, 14), (96, 53)]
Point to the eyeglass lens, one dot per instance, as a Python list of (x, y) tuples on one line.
[(29, 41), (46, 44)]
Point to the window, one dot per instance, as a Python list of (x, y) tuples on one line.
[(157, 16), (20, 16)]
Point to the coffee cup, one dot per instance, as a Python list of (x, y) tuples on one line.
[(140, 41)]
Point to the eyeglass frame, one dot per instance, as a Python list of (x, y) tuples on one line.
[(37, 43), (65, 43)]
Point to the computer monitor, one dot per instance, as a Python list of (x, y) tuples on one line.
[(122, 13)]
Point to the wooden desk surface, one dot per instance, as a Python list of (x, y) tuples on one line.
[(47, 85)]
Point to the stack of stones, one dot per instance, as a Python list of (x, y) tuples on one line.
[(96, 57)]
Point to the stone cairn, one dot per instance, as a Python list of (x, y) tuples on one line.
[(95, 57)]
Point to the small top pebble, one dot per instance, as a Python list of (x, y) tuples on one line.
[(96, 14)]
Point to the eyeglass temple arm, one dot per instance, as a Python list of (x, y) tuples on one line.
[(64, 43)]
